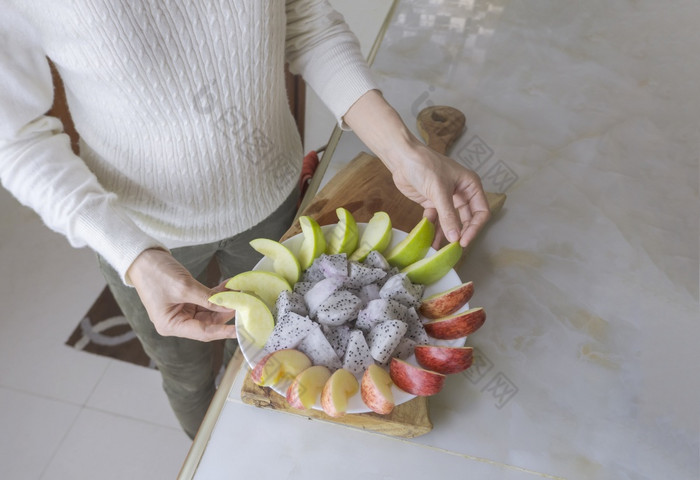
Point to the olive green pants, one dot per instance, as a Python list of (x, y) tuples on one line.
[(186, 365)]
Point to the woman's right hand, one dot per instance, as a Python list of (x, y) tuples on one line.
[(177, 304)]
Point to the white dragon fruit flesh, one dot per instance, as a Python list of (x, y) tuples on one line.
[(340, 307), (376, 260), (384, 338), (302, 287), (334, 266), (289, 302), (338, 337), (404, 349), (357, 355), (289, 332), (319, 293), (361, 275), (400, 288), (416, 331), (319, 350), (379, 310)]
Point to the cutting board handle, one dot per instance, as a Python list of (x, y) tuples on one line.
[(440, 126)]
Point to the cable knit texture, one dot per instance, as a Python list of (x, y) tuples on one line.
[(186, 136)]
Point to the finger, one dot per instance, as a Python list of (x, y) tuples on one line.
[(202, 331), (198, 294), (471, 230), (439, 237), (447, 215)]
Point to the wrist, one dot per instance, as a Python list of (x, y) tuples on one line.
[(143, 263)]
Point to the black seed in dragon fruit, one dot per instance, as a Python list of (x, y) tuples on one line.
[(319, 350), (341, 306), (400, 289), (357, 355), (302, 287), (338, 337), (379, 310), (416, 331), (289, 331), (319, 293), (384, 338), (334, 266), (377, 260), (361, 275), (289, 302)]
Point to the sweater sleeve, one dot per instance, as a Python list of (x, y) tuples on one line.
[(321, 47), (37, 164)]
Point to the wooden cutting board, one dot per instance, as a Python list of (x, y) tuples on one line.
[(364, 187)]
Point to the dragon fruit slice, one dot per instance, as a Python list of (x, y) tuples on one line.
[(384, 338), (390, 273), (289, 302), (361, 275), (302, 287), (377, 260), (357, 355), (338, 337), (400, 288), (416, 331), (404, 349), (379, 310), (289, 332), (368, 293), (341, 306), (313, 274), (319, 293), (334, 266), (320, 352)]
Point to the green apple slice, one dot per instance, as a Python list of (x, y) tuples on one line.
[(344, 236), (314, 243), (266, 285), (414, 246), (252, 313), (283, 260), (433, 268), (376, 236)]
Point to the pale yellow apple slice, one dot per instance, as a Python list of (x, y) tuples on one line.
[(266, 285), (306, 388), (252, 313), (338, 389), (343, 238), (283, 260), (375, 389), (433, 268), (414, 246), (314, 243), (376, 236), (279, 366)]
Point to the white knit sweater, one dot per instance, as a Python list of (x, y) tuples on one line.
[(186, 136)]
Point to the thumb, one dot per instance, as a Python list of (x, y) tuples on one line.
[(199, 294)]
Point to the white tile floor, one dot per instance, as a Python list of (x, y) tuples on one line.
[(67, 414)]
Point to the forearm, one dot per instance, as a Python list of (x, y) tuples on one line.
[(381, 128)]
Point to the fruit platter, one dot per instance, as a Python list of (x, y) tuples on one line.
[(353, 317)]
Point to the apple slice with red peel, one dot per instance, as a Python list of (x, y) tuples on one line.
[(375, 389), (457, 325), (415, 380), (444, 359), (279, 366), (447, 302), (307, 387), (338, 389)]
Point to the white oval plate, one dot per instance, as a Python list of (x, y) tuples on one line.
[(253, 354)]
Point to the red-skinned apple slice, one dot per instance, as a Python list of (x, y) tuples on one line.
[(307, 387), (279, 366), (338, 389), (447, 302), (415, 380), (375, 389), (443, 359), (457, 325)]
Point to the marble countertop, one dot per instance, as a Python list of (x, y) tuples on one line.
[(587, 115)]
